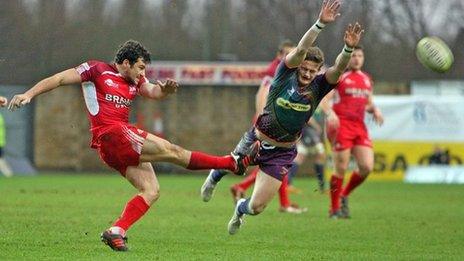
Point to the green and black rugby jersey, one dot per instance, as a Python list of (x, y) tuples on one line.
[(288, 106)]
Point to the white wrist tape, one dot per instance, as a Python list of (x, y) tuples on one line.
[(318, 26), (347, 50)]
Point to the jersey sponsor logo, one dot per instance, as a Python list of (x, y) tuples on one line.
[(110, 83), (291, 91), (357, 92), (293, 106), (120, 102)]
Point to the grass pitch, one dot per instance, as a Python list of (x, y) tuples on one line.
[(62, 216)]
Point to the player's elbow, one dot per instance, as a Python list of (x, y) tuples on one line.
[(55, 80), (333, 75), (301, 51)]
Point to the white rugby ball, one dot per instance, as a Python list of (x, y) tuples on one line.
[(434, 54)]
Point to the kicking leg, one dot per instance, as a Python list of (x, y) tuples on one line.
[(244, 153)]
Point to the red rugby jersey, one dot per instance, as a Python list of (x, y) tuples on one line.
[(352, 95), (108, 96)]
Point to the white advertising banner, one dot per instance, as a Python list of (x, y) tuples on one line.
[(416, 130), (435, 174), (420, 118)]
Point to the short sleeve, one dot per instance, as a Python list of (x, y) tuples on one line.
[(142, 81), (87, 70)]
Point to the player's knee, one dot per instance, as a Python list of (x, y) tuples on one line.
[(175, 150), (340, 170), (365, 169), (151, 195)]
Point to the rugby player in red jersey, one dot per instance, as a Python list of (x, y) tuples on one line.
[(348, 134), (109, 90)]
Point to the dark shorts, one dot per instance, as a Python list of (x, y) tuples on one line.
[(275, 161)]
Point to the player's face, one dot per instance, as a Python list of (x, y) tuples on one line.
[(357, 60), (307, 71), (133, 72)]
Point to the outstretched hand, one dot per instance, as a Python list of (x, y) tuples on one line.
[(169, 86), (353, 35), (378, 117), (329, 11), (3, 101), (18, 101)]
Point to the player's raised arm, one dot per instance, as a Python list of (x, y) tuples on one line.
[(70, 76), (159, 90), (329, 12), (352, 37)]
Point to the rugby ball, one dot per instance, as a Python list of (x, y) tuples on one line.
[(434, 54)]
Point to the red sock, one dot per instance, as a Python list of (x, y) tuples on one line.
[(355, 181), (134, 210), (249, 180), (200, 160), (335, 190), (283, 194)]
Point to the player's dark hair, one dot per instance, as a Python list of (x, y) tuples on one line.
[(315, 54), (358, 47), (285, 44), (132, 51)]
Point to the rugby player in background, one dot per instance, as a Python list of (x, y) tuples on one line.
[(348, 133)]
